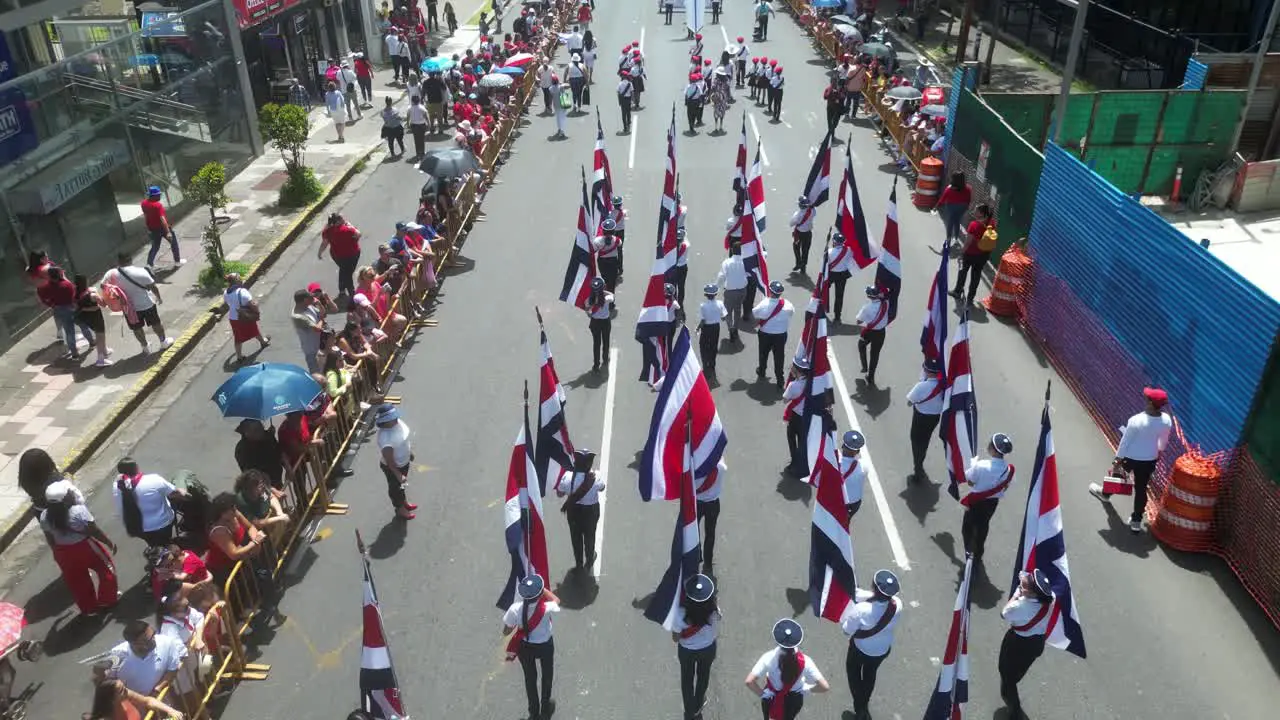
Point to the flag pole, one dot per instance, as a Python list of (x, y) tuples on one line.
[(526, 527), (688, 445), (1048, 386), (536, 311)]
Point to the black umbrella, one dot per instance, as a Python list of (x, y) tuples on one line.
[(447, 163)]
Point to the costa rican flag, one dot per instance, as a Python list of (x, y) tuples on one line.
[(601, 176), (522, 514), (555, 451), (684, 393), (1044, 544), (753, 257), (668, 208), (817, 188), (952, 691), (933, 337), (379, 687), (851, 221), (889, 266), (818, 300), (831, 581), (755, 193), (686, 546), (818, 390), (582, 260), (740, 165), (653, 327), (959, 409)]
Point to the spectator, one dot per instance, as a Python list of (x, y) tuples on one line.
[(977, 250), (392, 132), (433, 91), (450, 18), (260, 504), (59, 295), (81, 550), (133, 291), (364, 75), (259, 450), (232, 538), (419, 122), (36, 472), (337, 378), (243, 314), (354, 348), (363, 314), (342, 240), (335, 105), (433, 17), (349, 83), (148, 662), (295, 436), (112, 700), (158, 227), (952, 205), (299, 95), (37, 273), (392, 41), (173, 564), (310, 308), (89, 314), (405, 51), (143, 502), (179, 621)]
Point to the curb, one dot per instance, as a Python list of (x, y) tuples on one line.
[(98, 434)]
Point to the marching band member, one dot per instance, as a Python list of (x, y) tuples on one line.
[(775, 93), (990, 479), (709, 512), (793, 396), (1027, 613), (711, 313), (840, 268), (925, 399), (751, 77), (1143, 437), (787, 673), (625, 91), (873, 318), (697, 627), (618, 215), (802, 233), (581, 489), (869, 625), (855, 476), (608, 247), (528, 621), (600, 320), (740, 77), (696, 50), (682, 263), (773, 317)]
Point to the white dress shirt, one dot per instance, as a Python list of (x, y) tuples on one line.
[(802, 219), (855, 476), (693, 91), (712, 312), (923, 389), (682, 254), (777, 324), (1144, 436), (607, 246), (767, 669), (619, 217), (794, 389), (1021, 610), (709, 488), (604, 311), (537, 634), (140, 674), (864, 615), (986, 474), (776, 81), (625, 88), (571, 481), (870, 318), (152, 492), (840, 259), (393, 44), (706, 635), (733, 275)]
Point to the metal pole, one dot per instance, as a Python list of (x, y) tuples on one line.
[(242, 74), (1258, 60), (1069, 72)]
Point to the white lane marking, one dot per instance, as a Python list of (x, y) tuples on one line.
[(725, 33), (631, 153), (606, 435), (882, 504), (642, 41), (764, 157)]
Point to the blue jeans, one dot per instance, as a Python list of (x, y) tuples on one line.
[(156, 237), (952, 219), (65, 315)]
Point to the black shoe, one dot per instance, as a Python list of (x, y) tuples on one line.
[(591, 561), (595, 368), (778, 382), (871, 379), (760, 372), (863, 370), (548, 709), (955, 293)]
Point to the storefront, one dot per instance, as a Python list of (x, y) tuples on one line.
[(285, 39)]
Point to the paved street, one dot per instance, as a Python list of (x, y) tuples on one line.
[(1169, 636)]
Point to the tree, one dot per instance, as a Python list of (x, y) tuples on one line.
[(287, 128), (209, 188)]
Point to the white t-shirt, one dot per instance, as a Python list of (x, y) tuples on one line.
[(571, 481), (766, 668), (78, 521), (864, 615), (396, 438), (139, 296), (236, 299), (706, 635), (733, 275), (152, 492), (712, 312), (393, 44), (1144, 436), (140, 674), (774, 323), (922, 390), (181, 629), (539, 633)]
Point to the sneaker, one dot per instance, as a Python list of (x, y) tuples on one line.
[(151, 268), (103, 362), (166, 343), (1135, 526), (146, 349), (1096, 490), (182, 262)]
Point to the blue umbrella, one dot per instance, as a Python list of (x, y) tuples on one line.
[(439, 63), (266, 390), (510, 70), (828, 3)]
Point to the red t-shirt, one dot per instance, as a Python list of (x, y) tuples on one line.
[(976, 229), (363, 68), (192, 566), (344, 241), (951, 196), (58, 293), (153, 211), (294, 436)]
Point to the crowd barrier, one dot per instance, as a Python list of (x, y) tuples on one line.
[(306, 495)]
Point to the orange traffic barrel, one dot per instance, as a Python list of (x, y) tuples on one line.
[(928, 184), (1013, 280), (1184, 520)]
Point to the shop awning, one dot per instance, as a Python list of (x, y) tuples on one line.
[(57, 184)]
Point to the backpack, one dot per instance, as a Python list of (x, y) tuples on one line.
[(566, 98), (113, 297), (987, 242), (129, 506)]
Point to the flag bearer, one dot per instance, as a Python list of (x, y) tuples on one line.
[(869, 625), (873, 318), (840, 268), (1027, 613), (733, 276), (618, 215), (851, 469), (696, 629), (682, 263), (989, 478), (787, 674), (581, 489), (1143, 438), (711, 313), (773, 317), (802, 233), (528, 621), (675, 314), (925, 399), (600, 314), (608, 247), (709, 512), (794, 396)]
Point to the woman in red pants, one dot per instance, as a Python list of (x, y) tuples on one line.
[(79, 548)]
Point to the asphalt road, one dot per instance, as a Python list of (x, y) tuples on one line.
[(1168, 635)]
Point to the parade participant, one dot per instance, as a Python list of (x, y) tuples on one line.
[(802, 233), (733, 226), (708, 494), (581, 489), (528, 622), (788, 675), (682, 211), (711, 313), (840, 267), (693, 101), (396, 458), (1143, 437), (869, 625), (675, 313), (852, 471), (751, 76), (734, 279), (1027, 613), (618, 215), (608, 246), (80, 548), (697, 626), (989, 478), (625, 91), (775, 94), (773, 317), (696, 50), (793, 396), (637, 77), (873, 318), (740, 60), (600, 313), (682, 263), (834, 97), (925, 400)]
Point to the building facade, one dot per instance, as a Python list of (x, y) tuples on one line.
[(286, 39)]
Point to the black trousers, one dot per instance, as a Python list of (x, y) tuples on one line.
[(546, 99), (749, 301), (1142, 471), (395, 490), (740, 78), (366, 88), (796, 445), (682, 275), (922, 427), (775, 344), (609, 272), (600, 328), (532, 654), (695, 676), (791, 705), (709, 513), (419, 132), (873, 339), (762, 24), (433, 19), (970, 265), (1017, 653), (852, 508), (775, 102), (709, 346), (715, 12), (347, 274), (838, 280), (668, 9), (162, 537), (582, 532), (861, 670), (834, 113), (624, 104), (801, 240), (976, 524)]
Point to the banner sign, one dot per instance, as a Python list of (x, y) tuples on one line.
[(252, 12), (17, 132)]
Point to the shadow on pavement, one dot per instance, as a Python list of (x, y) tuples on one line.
[(73, 631), (590, 379), (982, 591), (389, 540), (52, 601), (798, 599), (873, 398), (791, 488), (946, 542), (1118, 535), (642, 603), (921, 497), (578, 590)]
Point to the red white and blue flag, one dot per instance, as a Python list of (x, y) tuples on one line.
[(952, 691), (818, 302), (522, 516), (753, 258), (755, 194), (601, 177), (817, 187), (1043, 544), (554, 453), (686, 546), (740, 165), (818, 392), (582, 260), (683, 393), (379, 687), (667, 208), (889, 266), (933, 336), (831, 579), (851, 221), (959, 426)]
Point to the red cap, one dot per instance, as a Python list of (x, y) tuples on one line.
[(755, 59), (697, 36), (707, 62), (484, 38), (772, 63), (635, 53), (626, 47), (764, 58), (636, 43), (1157, 396), (740, 39), (314, 287), (778, 69)]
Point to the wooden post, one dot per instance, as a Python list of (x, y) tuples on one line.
[(962, 42)]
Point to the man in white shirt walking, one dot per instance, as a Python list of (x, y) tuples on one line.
[(802, 233), (773, 317), (711, 313), (869, 624), (1027, 613), (143, 502), (852, 471), (143, 294), (925, 400), (840, 268), (392, 41), (733, 278), (873, 318), (581, 490), (396, 458), (529, 618), (989, 479), (1143, 437)]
